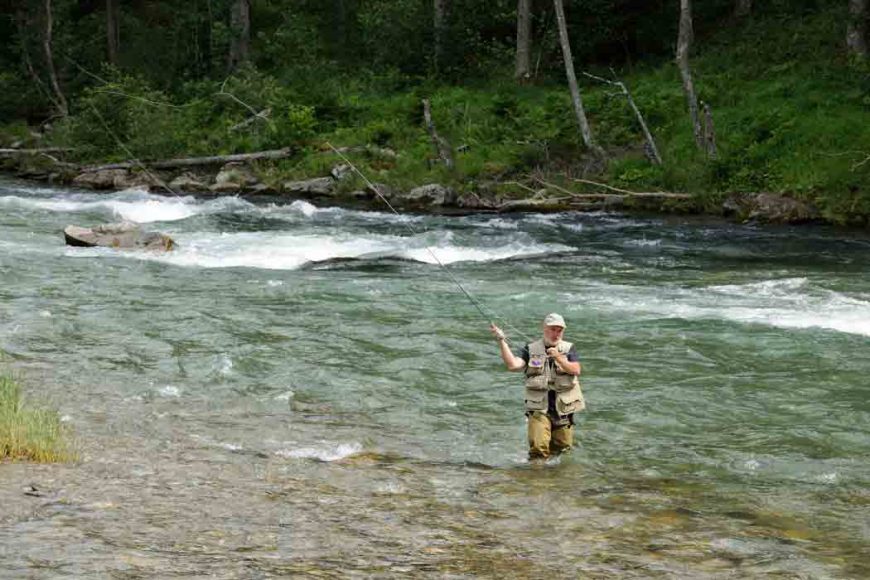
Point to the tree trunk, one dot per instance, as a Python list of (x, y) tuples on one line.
[(743, 8), (684, 45), (340, 29), (60, 100), (524, 40), (856, 29), (440, 28), (113, 29), (240, 29), (585, 131)]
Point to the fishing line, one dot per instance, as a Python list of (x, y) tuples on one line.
[(489, 317)]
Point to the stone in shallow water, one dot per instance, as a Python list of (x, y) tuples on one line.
[(123, 235)]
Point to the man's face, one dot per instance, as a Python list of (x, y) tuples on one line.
[(553, 334)]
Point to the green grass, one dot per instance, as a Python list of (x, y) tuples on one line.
[(27, 433)]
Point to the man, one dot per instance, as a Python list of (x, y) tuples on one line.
[(552, 387)]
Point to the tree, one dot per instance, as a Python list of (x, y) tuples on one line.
[(524, 40), (58, 98), (440, 28), (856, 29), (585, 131), (743, 8), (684, 45), (240, 29), (113, 29)]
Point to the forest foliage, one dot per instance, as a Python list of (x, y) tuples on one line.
[(789, 95)]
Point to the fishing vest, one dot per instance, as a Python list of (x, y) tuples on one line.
[(543, 377)]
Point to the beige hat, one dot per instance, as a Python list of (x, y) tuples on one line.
[(554, 319)]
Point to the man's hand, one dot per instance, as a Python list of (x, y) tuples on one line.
[(497, 332), (554, 353)]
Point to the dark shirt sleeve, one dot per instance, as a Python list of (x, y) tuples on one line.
[(524, 354), (572, 355)]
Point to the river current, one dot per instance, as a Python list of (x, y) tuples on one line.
[(301, 390)]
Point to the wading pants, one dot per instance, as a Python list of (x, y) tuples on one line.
[(546, 439)]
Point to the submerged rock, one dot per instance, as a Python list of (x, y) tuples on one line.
[(123, 235)]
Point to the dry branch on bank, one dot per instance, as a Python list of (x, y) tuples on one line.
[(442, 147), (196, 161), (652, 149)]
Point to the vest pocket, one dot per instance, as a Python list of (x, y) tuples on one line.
[(536, 400), (570, 402), (536, 363), (563, 381), (536, 382)]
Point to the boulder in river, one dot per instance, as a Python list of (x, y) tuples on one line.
[(431, 195), (318, 187), (122, 236)]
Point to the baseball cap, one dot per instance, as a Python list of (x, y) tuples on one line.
[(554, 319)]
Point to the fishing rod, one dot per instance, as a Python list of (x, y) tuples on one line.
[(489, 317)]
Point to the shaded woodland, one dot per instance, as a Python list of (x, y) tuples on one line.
[(708, 98)]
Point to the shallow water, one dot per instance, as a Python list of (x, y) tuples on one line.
[(302, 390)]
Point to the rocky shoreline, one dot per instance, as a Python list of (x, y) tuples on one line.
[(336, 188)]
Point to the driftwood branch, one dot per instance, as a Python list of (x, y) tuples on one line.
[(442, 147), (652, 149), (261, 116), (194, 161), (649, 194), (520, 185)]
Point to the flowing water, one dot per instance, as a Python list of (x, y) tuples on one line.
[(300, 390)]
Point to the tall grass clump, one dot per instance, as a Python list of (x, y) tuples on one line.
[(26, 433)]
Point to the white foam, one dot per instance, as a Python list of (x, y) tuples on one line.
[(169, 391), (784, 303), (280, 251), (327, 452), (135, 205)]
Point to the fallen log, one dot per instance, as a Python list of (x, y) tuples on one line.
[(194, 161)]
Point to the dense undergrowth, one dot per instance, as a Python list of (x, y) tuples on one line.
[(792, 116)]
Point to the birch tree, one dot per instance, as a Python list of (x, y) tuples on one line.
[(585, 130), (522, 72), (856, 29), (59, 100), (684, 45)]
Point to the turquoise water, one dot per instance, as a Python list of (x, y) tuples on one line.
[(301, 390)]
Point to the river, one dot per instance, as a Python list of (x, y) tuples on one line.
[(302, 390)]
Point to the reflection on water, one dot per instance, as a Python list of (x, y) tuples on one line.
[(300, 392)]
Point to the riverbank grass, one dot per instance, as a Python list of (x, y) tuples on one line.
[(29, 433)]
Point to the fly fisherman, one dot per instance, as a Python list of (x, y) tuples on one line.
[(552, 386)]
